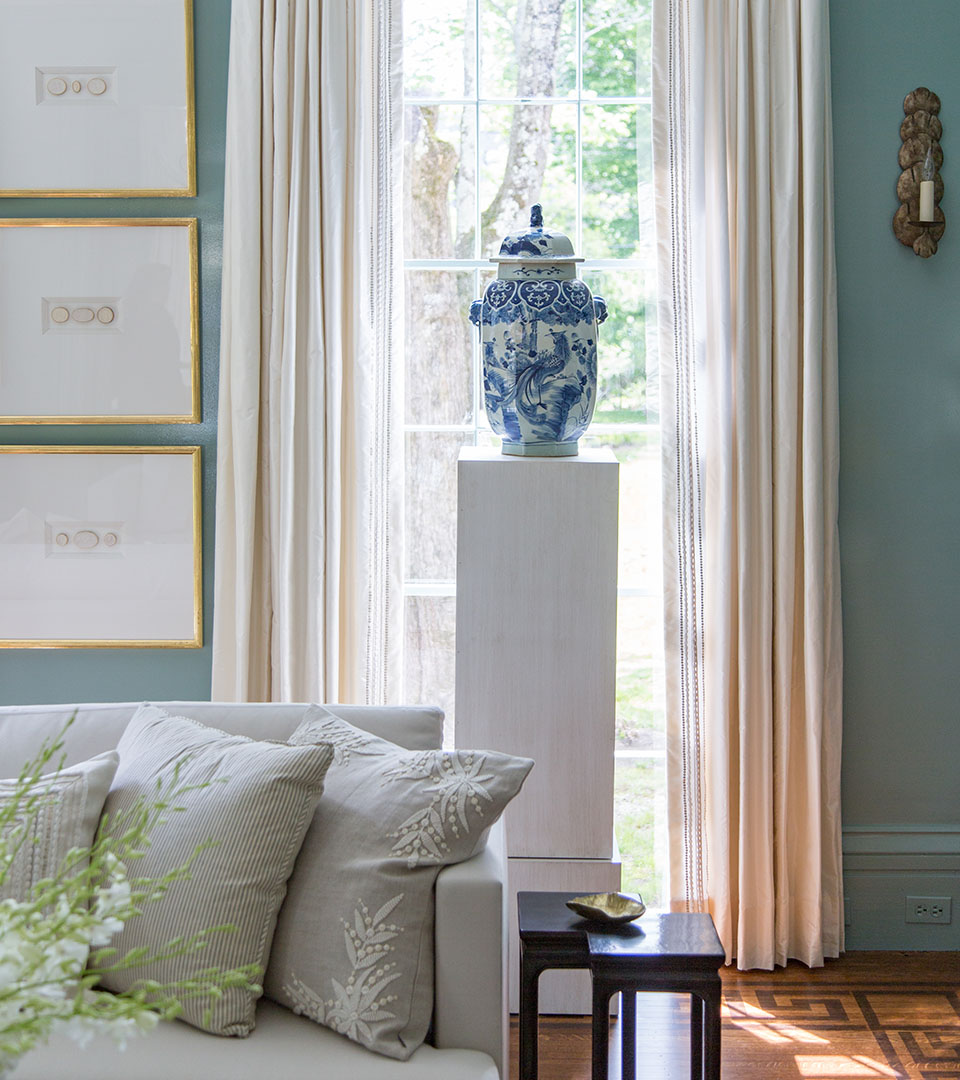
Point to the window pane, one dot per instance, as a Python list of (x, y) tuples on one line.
[(429, 655), (528, 50), (616, 48), (640, 811), (439, 346), (439, 48), (527, 155), (431, 504), (616, 170), (628, 383), (439, 190), (640, 706), (640, 537), (640, 543)]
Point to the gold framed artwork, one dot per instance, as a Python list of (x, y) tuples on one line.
[(100, 547), (97, 98), (99, 321)]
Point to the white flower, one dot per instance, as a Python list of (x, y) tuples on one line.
[(112, 903), (84, 1028)]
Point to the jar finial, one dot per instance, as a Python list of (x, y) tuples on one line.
[(536, 216)]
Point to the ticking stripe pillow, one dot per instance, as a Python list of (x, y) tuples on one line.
[(259, 802)]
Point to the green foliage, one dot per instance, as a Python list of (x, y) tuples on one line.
[(616, 47), (613, 144)]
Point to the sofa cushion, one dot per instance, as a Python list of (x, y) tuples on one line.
[(283, 1046), (67, 816), (95, 729), (354, 942), (256, 808)]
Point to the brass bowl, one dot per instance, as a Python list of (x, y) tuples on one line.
[(613, 908)]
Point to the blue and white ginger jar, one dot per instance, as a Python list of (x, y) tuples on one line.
[(538, 333)]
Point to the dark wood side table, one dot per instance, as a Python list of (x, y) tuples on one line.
[(668, 953)]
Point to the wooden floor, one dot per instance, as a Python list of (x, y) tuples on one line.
[(878, 1014)]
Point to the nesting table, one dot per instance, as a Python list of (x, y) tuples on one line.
[(670, 952)]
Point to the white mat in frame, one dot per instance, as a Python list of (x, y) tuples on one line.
[(99, 321), (100, 547), (97, 98)]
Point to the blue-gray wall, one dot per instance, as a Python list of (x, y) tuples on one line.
[(54, 675), (899, 488)]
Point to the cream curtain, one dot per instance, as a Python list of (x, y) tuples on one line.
[(743, 175), (306, 600)]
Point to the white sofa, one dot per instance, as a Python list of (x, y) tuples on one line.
[(469, 1034)]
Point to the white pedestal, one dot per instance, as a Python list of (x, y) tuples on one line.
[(536, 664), (536, 638)]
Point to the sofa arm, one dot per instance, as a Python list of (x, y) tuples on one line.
[(470, 1003)]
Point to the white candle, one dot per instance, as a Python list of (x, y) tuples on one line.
[(927, 174), (926, 200)]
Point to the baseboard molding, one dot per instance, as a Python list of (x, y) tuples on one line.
[(882, 865), (879, 840)]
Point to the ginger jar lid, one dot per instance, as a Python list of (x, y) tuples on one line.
[(536, 244)]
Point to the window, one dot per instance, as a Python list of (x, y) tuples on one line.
[(507, 103)]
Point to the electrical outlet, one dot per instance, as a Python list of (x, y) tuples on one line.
[(928, 909)]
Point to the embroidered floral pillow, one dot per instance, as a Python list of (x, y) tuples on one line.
[(353, 948)]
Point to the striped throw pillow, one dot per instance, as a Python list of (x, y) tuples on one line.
[(256, 809)]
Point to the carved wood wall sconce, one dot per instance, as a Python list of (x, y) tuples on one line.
[(920, 160)]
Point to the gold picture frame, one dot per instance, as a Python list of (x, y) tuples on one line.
[(187, 191), (193, 415), (21, 530)]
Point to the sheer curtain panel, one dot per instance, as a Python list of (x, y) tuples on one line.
[(744, 212), (307, 590)]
